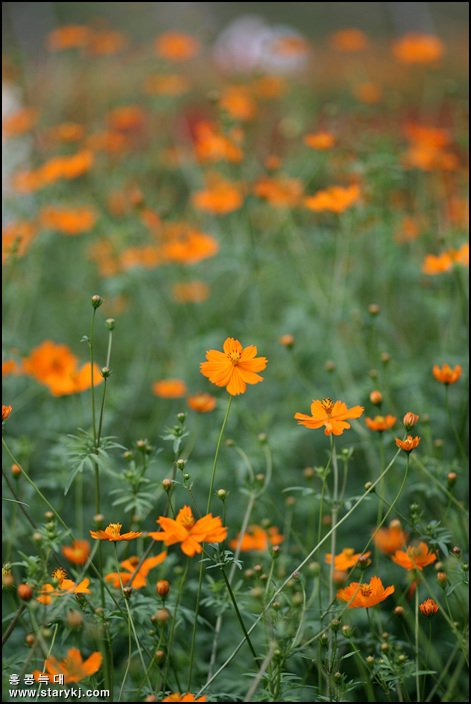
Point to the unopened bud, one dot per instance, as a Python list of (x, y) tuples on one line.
[(222, 494), (162, 587), (105, 372), (376, 398), (409, 420), (97, 301), (373, 309), (16, 471), (452, 477), (347, 631), (399, 611), (167, 484), (287, 340), (442, 578), (25, 592)]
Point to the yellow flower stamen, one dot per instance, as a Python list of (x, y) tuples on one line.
[(188, 522), (365, 590), (114, 529), (60, 574), (327, 405), (234, 356)]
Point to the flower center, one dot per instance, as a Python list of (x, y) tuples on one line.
[(415, 552), (348, 552), (234, 357), (365, 590), (379, 419), (60, 574), (327, 405), (114, 529), (188, 521)]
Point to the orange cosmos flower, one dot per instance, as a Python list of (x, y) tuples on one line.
[(366, 595), (233, 368), (191, 291), (170, 388), (10, 366), (190, 533), (280, 192), (6, 410), (176, 46), (415, 557), (202, 402), (188, 697), (349, 39), (78, 553), (19, 122), (380, 422), (65, 586), (126, 118), (346, 559), (390, 539), (335, 199), (428, 607), (415, 48), (73, 668), (409, 444), (113, 533), (71, 36), (447, 375), (16, 239), (237, 102), (69, 221), (220, 197), (320, 140), (57, 367), (332, 415), (368, 93), (107, 43), (211, 145), (446, 261), (257, 538), (66, 132), (139, 580)]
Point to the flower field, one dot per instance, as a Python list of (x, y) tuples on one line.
[(235, 363)]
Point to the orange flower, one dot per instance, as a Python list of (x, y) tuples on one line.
[(69, 221), (409, 444), (332, 415), (335, 199), (238, 103), (368, 93), (65, 586), (107, 43), (10, 366), (57, 367), (446, 261), (257, 538), (16, 239), (415, 48), (320, 140), (171, 85), (220, 197), (388, 540), (113, 533), (6, 410), (410, 420), (280, 192), (202, 402), (346, 559), (233, 368), (190, 533), (415, 557), (380, 422), (19, 122), (188, 697), (66, 132), (349, 39), (428, 607), (126, 118), (447, 375), (211, 145), (170, 388), (139, 580), (73, 668), (365, 595), (176, 46), (191, 291), (71, 36), (79, 553)]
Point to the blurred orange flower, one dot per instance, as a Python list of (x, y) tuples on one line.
[(347, 558), (447, 375), (380, 422), (220, 197), (368, 93), (188, 697), (365, 595), (71, 36), (415, 557), (280, 192), (126, 118), (171, 85), (257, 538), (16, 239), (176, 46), (335, 199), (428, 607), (202, 402), (113, 533), (191, 291), (78, 553), (10, 366), (190, 533), (139, 580), (66, 132), (19, 122), (237, 102), (329, 414), (6, 410), (170, 388), (409, 444), (446, 261), (233, 368), (73, 668), (107, 43), (416, 48), (211, 145), (57, 367), (390, 539), (319, 140), (349, 39), (69, 221)]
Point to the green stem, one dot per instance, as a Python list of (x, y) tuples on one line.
[(217, 454), (174, 621), (417, 680), (455, 432), (234, 602)]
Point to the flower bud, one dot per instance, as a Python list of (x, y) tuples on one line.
[(442, 578), (162, 587), (110, 323), (452, 477), (222, 494), (399, 611), (376, 398), (181, 464), (30, 639), (373, 309), (98, 520), (409, 420), (329, 366), (335, 624), (25, 592), (74, 619), (127, 591), (167, 484), (456, 551), (347, 631), (181, 417), (161, 616), (287, 340), (16, 471), (97, 301), (159, 657)]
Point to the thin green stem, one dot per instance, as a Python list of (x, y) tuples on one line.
[(417, 679), (213, 474), (236, 608), (174, 621), (450, 419)]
